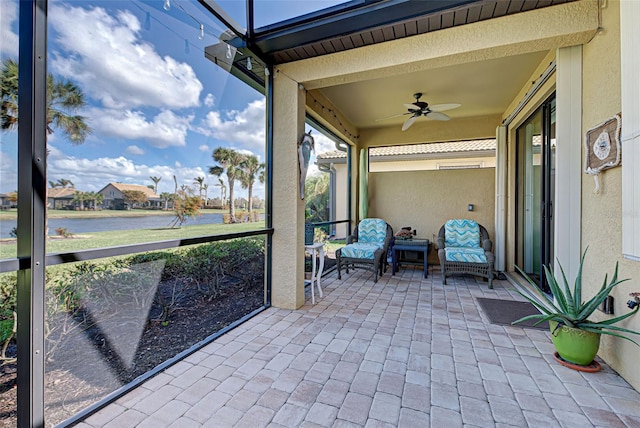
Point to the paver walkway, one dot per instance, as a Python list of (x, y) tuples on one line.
[(405, 352)]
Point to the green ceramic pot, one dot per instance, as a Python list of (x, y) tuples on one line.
[(574, 345)]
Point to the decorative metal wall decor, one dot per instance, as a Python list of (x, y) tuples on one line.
[(305, 147), (602, 148)]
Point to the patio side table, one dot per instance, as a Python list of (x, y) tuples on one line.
[(417, 245), (316, 249)]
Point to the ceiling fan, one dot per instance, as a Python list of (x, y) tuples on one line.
[(422, 108)]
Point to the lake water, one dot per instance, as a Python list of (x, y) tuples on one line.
[(87, 225)]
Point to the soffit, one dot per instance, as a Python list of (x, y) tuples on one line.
[(392, 20)]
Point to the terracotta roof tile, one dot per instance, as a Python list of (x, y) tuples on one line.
[(422, 149), (149, 192)]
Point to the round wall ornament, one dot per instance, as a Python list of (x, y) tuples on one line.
[(602, 148)]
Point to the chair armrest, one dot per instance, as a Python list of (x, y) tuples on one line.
[(487, 245), (441, 238)]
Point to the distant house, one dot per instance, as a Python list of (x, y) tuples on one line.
[(59, 198), (114, 197), (8, 200)]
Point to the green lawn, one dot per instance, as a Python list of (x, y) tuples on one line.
[(126, 237)]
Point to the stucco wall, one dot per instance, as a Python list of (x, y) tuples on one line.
[(602, 213), (424, 200)]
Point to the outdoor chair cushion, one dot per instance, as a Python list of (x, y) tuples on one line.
[(462, 233), (463, 254), (372, 231), (359, 250)]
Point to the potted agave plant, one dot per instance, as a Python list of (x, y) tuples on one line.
[(575, 336)]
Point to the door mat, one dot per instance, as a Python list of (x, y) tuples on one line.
[(504, 312)]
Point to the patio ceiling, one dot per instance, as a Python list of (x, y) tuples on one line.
[(483, 88)]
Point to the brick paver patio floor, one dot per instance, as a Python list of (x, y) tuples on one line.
[(405, 352)]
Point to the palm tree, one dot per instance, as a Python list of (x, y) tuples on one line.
[(94, 198), (166, 197), (155, 180), (229, 161), (79, 198), (200, 182), (251, 168), (205, 187), (223, 191), (63, 99), (63, 182)]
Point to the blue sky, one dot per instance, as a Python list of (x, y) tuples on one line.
[(157, 107)]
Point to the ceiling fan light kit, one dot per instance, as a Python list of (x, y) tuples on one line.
[(422, 108)]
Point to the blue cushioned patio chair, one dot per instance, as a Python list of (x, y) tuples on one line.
[(366, 247), (464, 247)]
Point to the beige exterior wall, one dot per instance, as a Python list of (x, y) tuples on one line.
[(288, 208), (602, 213), (425, 200)]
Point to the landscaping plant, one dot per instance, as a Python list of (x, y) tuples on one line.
[(566, 306)]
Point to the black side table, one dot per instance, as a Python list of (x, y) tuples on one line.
[(417, 245)]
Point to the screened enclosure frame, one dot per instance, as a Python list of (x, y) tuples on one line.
[(32, 259)]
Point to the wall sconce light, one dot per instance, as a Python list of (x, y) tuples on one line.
[(470, 207)]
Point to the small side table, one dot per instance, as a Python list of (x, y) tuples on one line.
[(417, 245), (316, 249)]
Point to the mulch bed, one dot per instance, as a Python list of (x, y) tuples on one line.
[(88, 364)]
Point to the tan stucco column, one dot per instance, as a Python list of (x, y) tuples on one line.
[(287, 284)]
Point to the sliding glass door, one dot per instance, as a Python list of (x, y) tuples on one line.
[(535, 159)]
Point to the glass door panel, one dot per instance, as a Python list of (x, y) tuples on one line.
[(535, 190)]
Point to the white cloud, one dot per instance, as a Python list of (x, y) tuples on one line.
[(204, 148), (165, 130), (8, 173), (322, 143), (106, 56), (8, 39), (94, 174), (209, 100), (241, 128), (134, 150)]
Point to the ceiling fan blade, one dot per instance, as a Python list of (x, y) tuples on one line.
[(437, 116), (391, 117), (409, 122), (443, 107), (411, 106)]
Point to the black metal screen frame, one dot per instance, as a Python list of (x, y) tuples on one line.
[(32, 260)]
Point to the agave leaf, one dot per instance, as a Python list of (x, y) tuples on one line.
[(566, 294), (536, 297), (609, 333), (577, 291), (610, 321), (590, 306), (608, 327), (530, 317), (565, 306)]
